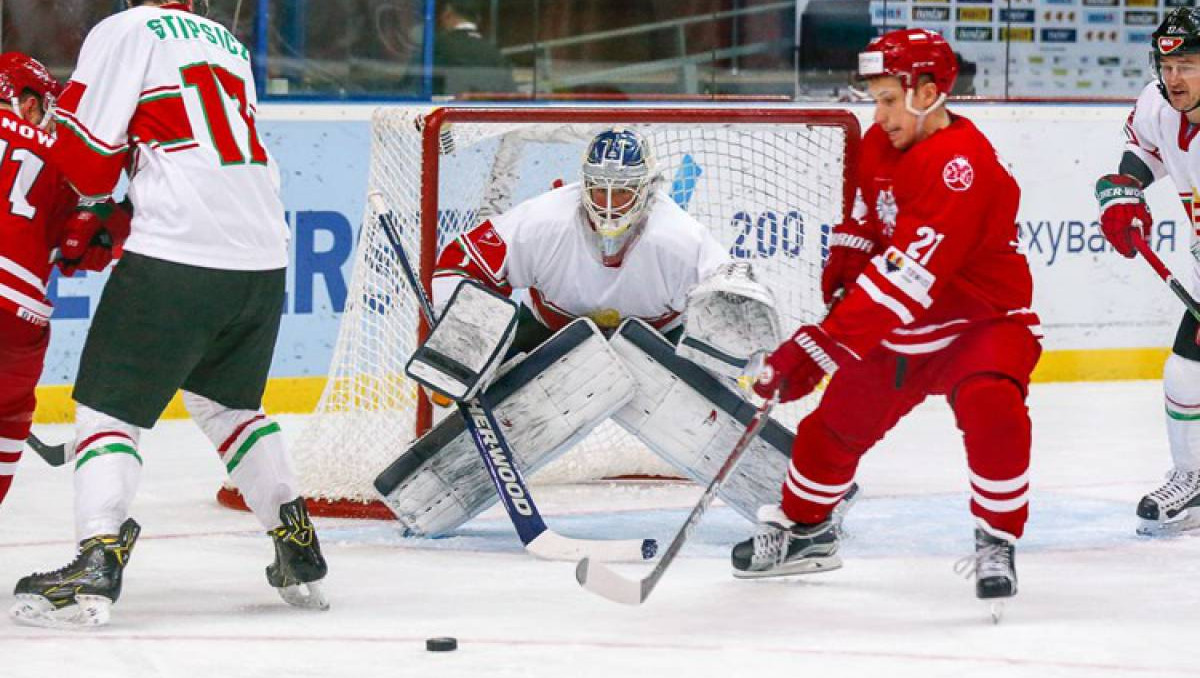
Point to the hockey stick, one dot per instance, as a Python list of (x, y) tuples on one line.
[(55, 455), (1163, 272), (497, 457), (603, 581)]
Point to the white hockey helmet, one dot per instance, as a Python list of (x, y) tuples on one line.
[(619, 178)]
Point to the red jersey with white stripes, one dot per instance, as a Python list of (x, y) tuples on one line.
[(945, 212), (169, 96), (34, 199), (545, 246)]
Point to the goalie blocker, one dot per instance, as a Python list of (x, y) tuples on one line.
[(466, 344), (556, 395)]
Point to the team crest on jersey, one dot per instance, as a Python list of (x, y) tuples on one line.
[(885, 208), (490, 238), (958, 174), (1168, 44)]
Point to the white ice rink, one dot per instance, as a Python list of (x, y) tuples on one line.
[(1095, 600)]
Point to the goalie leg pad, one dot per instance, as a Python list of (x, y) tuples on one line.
[(545, 404), (692, 420)]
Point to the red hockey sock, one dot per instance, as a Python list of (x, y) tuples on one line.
[(991, 413)]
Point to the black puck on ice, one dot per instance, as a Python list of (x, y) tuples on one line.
[(446, 644)]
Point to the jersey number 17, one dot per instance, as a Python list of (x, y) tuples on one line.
[(213, 83)]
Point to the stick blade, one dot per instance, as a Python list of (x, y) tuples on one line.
[(55, 455), (550, 545), (604, 582)]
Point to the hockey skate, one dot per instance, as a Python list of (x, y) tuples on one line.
[(783, 547), (995, 571), (299, 565), (1167, 510), (81, 594)]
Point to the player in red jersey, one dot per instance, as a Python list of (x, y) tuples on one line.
[(936, 302), (37, 215)]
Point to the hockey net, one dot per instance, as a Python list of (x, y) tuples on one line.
[(769, 182)]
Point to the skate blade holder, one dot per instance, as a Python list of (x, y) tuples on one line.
[(88, 612), (309, 596)]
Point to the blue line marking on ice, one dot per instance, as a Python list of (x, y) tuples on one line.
[(877, 527)]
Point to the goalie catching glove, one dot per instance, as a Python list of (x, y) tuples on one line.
[(731, 320), (800, 363), (1123, 211), (467, 344)]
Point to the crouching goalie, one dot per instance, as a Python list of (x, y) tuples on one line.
[(633, 311)]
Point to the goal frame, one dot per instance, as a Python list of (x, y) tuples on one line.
[(438, 120)]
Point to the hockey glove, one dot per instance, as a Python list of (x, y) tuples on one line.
[(800, 363), (90, 235), (1123, 211), (850, 250)]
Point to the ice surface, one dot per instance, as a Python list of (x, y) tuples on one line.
[(1095, 600)]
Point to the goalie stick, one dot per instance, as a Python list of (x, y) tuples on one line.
[(538, 539), (604, 581), (1163, 272)]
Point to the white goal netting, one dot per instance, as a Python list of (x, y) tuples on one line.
[(768, 182)]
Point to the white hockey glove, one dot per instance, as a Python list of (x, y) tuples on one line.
[(731, 322), (467, 344)]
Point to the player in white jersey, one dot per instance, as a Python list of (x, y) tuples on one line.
[(608, 248), (1161, 141), (194, 303)]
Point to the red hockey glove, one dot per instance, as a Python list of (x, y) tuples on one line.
[(1123, 211), (800, 363), (850, 248), (90, 234)]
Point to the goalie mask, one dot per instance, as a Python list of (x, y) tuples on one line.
[(1177, 35), (908, 55), (618, 186), (19, 74)]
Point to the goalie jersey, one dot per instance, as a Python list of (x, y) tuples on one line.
[(943, 215), (542, 245), (169, 97), (1162, 138)]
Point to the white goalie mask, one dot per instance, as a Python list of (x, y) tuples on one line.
[(619, 178)]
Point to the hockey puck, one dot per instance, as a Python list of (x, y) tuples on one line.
[(446, 644)]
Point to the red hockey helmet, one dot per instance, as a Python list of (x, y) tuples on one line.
[(20, 73), (909, 54), (189, 4)]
